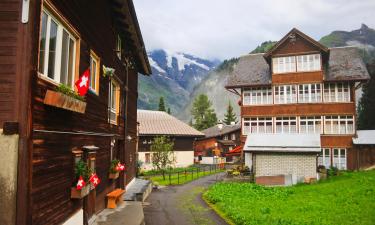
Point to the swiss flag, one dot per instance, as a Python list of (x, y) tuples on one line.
[(81, 183), (82, 83), (120, 167), (94, 179)]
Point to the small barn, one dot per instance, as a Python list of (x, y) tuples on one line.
[(363, 152), (157, 123)]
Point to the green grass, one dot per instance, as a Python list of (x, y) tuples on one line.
[(176, 179), (346, 199)]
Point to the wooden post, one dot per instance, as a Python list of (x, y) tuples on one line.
[(178, 177), (185, 175)]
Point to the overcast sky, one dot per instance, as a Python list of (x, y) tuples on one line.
[(228, 28)]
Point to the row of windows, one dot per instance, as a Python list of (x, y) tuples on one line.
[(300, 63), (58, 53), (232, 137), (303, 93), (335, 157), (302, 124)]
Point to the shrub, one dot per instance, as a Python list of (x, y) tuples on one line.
[(333, 171)]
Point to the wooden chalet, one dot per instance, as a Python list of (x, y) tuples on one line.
[(218, 141), (46, 43), (157, 123), (298, 106)]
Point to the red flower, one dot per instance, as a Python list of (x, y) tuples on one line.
[(120, 167), (81, 183), (94, 179)]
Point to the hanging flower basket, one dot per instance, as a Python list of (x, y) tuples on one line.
[(116, 168), (79, 194), (60, 100)]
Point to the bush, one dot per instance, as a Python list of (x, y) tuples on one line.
[(333, 171)]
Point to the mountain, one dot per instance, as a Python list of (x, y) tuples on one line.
[(174, 76), (213, 84)]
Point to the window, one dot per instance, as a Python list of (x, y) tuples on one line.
[(339, 158), (308, 62), (285, 94), (257, 96), (339, 125), (337, 92), (118, 46), (233, 137), (113, 101), (324, 158), (57, 51), (257, 125), (225, 137), (147, 158), (311, 124), (284, 64), (309, 93), (94, 72), (286, 125)]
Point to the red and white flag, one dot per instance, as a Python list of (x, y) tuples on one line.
[(94, 179), (82, 83), (120, 167), (81, 183)]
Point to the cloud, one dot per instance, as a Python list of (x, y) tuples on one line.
[(228, 28)]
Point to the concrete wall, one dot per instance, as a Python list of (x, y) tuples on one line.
[(8, 177), (183, 159), (300, 165)]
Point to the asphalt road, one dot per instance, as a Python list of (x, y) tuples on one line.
[(182, 205)]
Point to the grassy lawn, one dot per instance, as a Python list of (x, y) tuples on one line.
[(176, 179), (346, 199)]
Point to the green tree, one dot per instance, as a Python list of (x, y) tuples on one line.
[(366, 106), (230, 116), (162, 153), (169, 111), (204, 116), (161, 104)]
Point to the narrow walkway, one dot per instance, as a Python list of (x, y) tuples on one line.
[(182, 205)]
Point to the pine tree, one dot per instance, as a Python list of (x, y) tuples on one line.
[(366, 106), (161, 104), (204, 116), (169, 111), (230, 116)]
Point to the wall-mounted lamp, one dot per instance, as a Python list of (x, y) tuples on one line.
[(129, 138)]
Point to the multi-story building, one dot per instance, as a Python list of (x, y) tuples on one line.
[(297, 102)]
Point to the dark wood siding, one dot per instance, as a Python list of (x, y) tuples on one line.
[(361, 157)]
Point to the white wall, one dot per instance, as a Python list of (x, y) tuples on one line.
[(76, 219), (212, 160), (183, 159)]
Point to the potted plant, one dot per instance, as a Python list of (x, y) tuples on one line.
[(82, 184), (64, 97), (115, 169)]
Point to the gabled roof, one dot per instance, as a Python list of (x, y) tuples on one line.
[(152, 123), (215, 131), (364, 137), (282, 143), (295, 31)]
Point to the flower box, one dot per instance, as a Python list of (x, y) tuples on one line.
[(60, 100), (79, 194), (114, 176)]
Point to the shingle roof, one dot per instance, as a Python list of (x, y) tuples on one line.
[(161, 123), (215, 131), (345, 63), (364, 137)]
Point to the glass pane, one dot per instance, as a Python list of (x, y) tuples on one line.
[(64, 58), (92, 73), (52, 50), (71, 63), (42, 48)]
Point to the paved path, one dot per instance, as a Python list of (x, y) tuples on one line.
[(182, 205)]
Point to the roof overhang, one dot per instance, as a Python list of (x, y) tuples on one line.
[(364, 137), (283, 143)]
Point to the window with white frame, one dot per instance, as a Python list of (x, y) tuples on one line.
[(257, 96), (285, 94), (225, 137), (284, 64), (310, 124), (233, 137), (118, 46), (337, 92), (286, 125), (339, 125), (308, 62), (113, 101), (57, 51), (339, 158), (309, 93), (324, 158), (94, 72), (257, 125)]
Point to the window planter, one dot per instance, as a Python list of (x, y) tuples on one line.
[(63, 101), (79, 194), (114, 176)]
